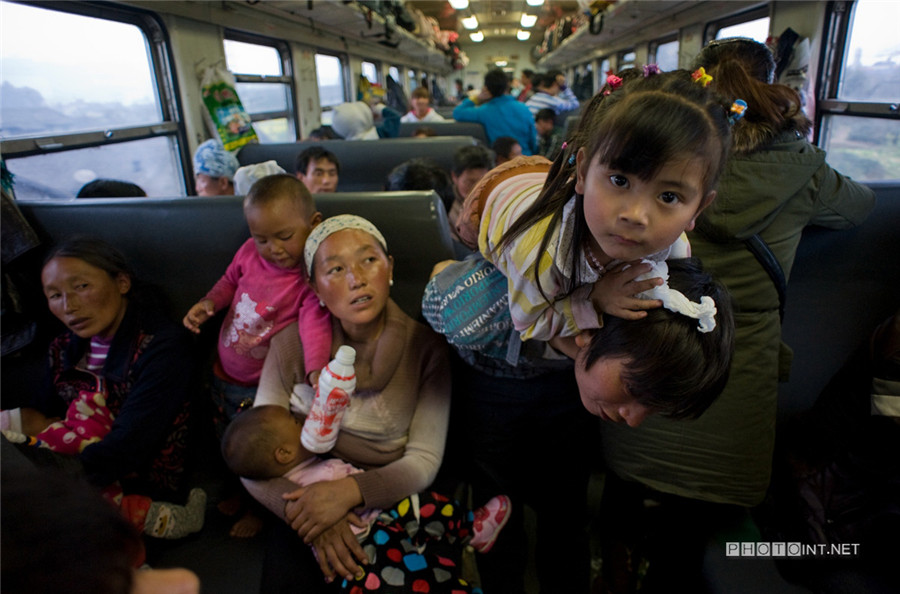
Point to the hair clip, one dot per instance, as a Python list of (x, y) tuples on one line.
[(738, 108), (613, 82), (651, 69), (572, 159), (699, 75), (564, 145)]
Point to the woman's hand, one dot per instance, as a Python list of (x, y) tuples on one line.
[(614, 293), (338, 551), (313, 509)]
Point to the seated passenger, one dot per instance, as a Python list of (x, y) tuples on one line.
[(110, 188), (550, 136), (115, 335), (60, 535), (359, 120), (421, 110), (421, 174), (424, 132), (264, 443), (322, 133), (214, 169), (506, 148), (551, 92), (499, 112), (318, 169), (397, 422), (263, 290), (470, 164), (246, 176)]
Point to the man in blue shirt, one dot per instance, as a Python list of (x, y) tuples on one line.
[(499, 112)]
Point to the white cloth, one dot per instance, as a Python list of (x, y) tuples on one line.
[(246, 176), (675, 301)]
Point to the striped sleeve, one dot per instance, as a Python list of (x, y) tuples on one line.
[(523, 263)]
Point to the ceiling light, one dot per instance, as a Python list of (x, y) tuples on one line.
[(477, 36), (501, 63), (462, 4), (470, 22), (528, 20), (523, 35), (533, 2)]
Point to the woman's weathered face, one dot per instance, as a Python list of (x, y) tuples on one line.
[(352, 276), (85, 298)]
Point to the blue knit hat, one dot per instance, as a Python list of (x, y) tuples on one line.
[(213, 160)]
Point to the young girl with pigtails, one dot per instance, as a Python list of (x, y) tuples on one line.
[(640, 168)]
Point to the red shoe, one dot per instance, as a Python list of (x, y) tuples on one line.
[(489, 520)]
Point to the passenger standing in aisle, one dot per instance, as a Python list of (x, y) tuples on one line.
[(499, 112)]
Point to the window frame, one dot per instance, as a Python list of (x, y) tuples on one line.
[(286, 78), (161, 66), (838, 20)]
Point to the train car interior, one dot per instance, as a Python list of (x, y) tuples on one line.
[(130, 89)]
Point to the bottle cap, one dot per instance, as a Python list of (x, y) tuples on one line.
[(346, 355)]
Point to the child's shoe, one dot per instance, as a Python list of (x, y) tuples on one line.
[(489, 520)]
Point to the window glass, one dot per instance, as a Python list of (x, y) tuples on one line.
[(871, 69), (268, 102), (150, 163), (394, 73), (862, 148), (667, 56), (252, 58), (274, 130), (65, 73), (627, 60), (258, 98), (757, 29), (330, 76), (370, 71)]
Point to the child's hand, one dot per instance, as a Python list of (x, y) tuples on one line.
[(314, 378), (614, 293), (198, 314)]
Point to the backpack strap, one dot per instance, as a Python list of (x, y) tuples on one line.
[(763, 253)]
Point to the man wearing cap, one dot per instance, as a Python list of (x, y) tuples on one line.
[(214, 169)]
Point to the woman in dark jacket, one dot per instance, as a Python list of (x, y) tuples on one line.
[(142, 358), (774, 184)]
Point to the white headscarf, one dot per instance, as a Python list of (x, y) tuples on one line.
[(246, 176), (354, 121), (333, 225)]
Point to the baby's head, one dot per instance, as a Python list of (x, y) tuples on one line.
[(262, 442), (663, 363), (281, 214)]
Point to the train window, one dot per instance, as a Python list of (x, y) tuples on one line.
[(664, 53), (859, 91), (103, 107), (262, 70), (394, 73), (330, 76), (627, 59), (753, 24), (370, 71)]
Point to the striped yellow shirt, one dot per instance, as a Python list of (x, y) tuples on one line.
[(535, 315)]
